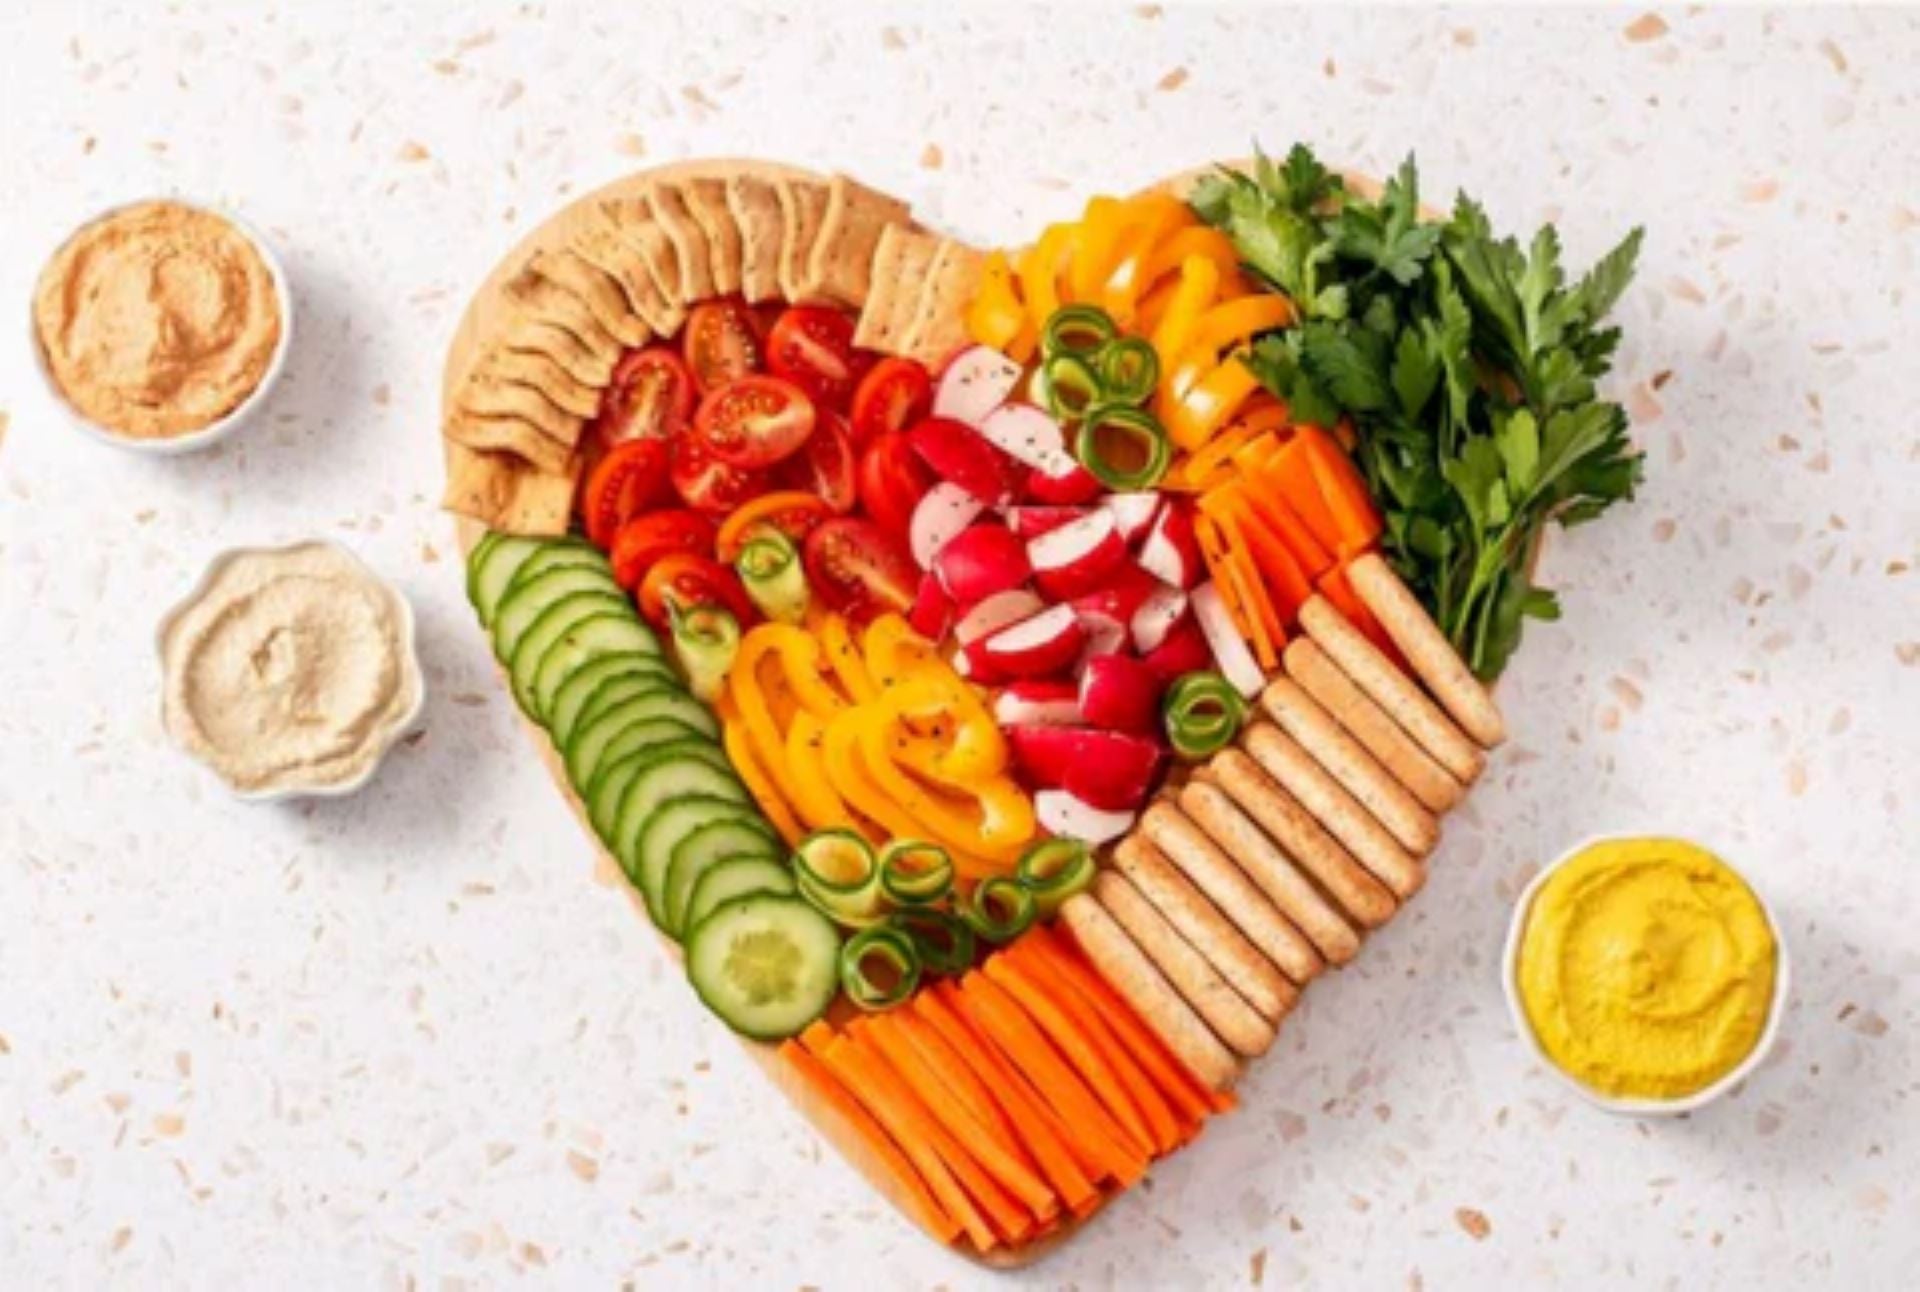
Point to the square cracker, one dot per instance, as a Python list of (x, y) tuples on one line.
[(598, 290), (839, 266), (755, 205), (706, 199), (938, 325), (901, 260), (502, 491), (502, 433), (670, 213), (803, 205)]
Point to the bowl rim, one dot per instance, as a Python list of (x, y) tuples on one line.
[(1628, 1106), (409, 660), (242, 412)]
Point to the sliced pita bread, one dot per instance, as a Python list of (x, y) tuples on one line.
[(502, 491), (503, 433), (756, 214), (531, 368), (670, 213), (596, 289), (602, 245), (633, 220), (841, 261), (549, 303), (901, 260), (706, 199), (938, 326), (803, 206), (494, 396)]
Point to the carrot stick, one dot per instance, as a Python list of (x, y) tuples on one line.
[(1288, 584), (921, 1204), (1267, 632), (1290, 475), (1003, 1021), (1345, 491), (1213, 550), (1279, 515), (938, 1055), (1002, 1161), (1045, 1138)]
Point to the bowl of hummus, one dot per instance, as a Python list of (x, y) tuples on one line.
[(290, 671), (1646, 973), (161, 326)]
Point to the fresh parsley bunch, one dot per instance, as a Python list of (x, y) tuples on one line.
[(1465, 364)]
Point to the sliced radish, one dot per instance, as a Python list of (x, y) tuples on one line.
[(1001, 610), (1171, 552), (1036, 647), (1071, 487), (981, 561), (1183, 650), (976, 382), (1155, 617), (958, 453), (1229, 647), (1108, 769), (1038, 703), (943, 513), (1071, 818), (1103, 639), (932, 610), (1121, 693), (1033, 521), (1133, 513), (1029, 436), (1076, 559), (1119, 599)]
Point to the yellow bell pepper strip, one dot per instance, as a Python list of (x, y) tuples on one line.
[(1210, 404), (1039, 270), (836, 639), (947, 735), (997, 316), (1154, 218), (1209, 244), (739, 747), (981, 819), (846, 768), (894, 652), (766, 705), (800, 665), (817, 802), (1101, 226), (1199, 288)]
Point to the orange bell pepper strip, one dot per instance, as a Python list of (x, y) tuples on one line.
[(816, 801), (1153, 218), (993, 824), (1192, 418), (1198, 240), (1199, 288), (766, 794), (836, 639), (748, 694), (1101, 226), (1234, 322)]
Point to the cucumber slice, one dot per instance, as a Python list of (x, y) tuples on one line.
[(554, 623), (607, 792), (766, 965), (570, 701), (558, 554), (735, 878), (491, 567), (666, 831), (586, 752), (638, 738), (675, 772), (713, 845), (528, 599), (616, 633)]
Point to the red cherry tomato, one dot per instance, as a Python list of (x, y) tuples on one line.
[(812, 347), (754, 422), (650, 396), (687, 580), (721, 342), (643, 540), (893, 396), (891, 482), (705, 482), (625, 483), (824, 468), (860, 569)]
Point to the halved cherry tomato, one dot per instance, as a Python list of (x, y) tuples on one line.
[(812, 347), (721, 342), (625, 483), (705, 482), (643, 540), (650, 396), (793, 512), (860, 569), (754, 422), (893, 396), (687, 581), (824, 467), (892, 480)]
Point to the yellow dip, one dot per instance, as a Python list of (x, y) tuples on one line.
[(157, 320), (1646, 968)]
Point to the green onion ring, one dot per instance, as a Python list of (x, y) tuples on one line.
[(1203, 714), (944, 941), (836, 871), (1054, 870), (1129, 369), (1000, 909), (915, 873), (1139, 426), (1072, 386), (891, 948), (1076, 329)]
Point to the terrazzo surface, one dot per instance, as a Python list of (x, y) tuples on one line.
[(406, 1040)]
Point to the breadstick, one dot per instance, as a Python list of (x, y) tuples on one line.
[(1290, 891), (1382, 679), (1366, 901), (1222, 1008), (1302, 718), (1186, 845), (1123, 964), (1206, 930), (1369, 724), (1297, 772), (1426, 648)]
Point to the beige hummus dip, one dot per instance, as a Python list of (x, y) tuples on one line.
[(291, 669), (157, 320)]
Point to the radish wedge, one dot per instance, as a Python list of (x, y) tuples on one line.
[(977, 381), (1001, 610), (942, 515), (981, 561), (1071, 818), (1109, 769), (1121, 693), (1036, 519), (1155, 617), (1036, 647), (1078, 558), (1228, 646), (932, 610), (1183, 650), (956, 452), (1171, 552), (1038, 703), (1071, 488), (1029, 436), (1133, 513)]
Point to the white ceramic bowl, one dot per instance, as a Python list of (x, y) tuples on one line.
[(214, 432), (1509, 982), (409, 661)]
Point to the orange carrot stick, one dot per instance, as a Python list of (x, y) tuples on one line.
[(1290, 475), (1268, 635), (1288, 585), (1345, 491), (933, 1051)]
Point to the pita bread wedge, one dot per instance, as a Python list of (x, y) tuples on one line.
[(531, 368), (938, 326), (493, 396), (523, 333), (803, 206), (503, 433), (755, 205), (901, 260), (600, 243), (841, 262), (632, 218), (706, 199), (542, 299), (670, 213), (596, 289), (503, 491)]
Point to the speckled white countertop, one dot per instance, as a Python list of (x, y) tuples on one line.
[(405, 1040)]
